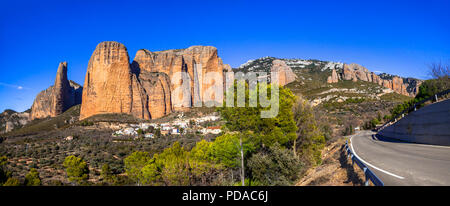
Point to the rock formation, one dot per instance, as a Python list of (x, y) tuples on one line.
[(107, 85), (172, 62), (63, 98), (333, 78), (57, 98), (150, 87), (10, 120), (228, 77), (285, 73), (355, 72)]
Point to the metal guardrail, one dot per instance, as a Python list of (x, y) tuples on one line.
[(435, 97), (367, 172)]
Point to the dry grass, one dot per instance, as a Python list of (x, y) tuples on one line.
[(336, 169)]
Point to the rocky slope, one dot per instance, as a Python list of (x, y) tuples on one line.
[(284, 72), (336, 72), (57, 98), (151, 86), (343, 103), (10, 119), (355, 72), (335, 170)]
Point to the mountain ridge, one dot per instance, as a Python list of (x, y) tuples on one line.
[(403, 85)]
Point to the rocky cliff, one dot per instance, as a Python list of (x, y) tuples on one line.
[(57, 98), (334, 77), (339, 71), (355, 72), (10, 120), (150, 86), (284, 72), (107, 85)]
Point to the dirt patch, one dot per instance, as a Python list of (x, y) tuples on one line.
[(336, 169)]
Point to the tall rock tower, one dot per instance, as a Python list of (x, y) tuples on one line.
[(63, 98), (58, 98), (107, 85), (147, 89)]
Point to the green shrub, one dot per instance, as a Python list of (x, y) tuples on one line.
[(276, 166), (76, 168), (12, 181), (86, 123), (32, 178)]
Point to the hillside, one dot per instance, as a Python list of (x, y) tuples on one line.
[(10, 120), (50, 123), (108, 138), (343, 103)]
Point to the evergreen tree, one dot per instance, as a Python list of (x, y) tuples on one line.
[(32, 178), (77, 169), (106, 173), (134, 164)]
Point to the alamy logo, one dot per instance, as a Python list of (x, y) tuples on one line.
[(229, 89)]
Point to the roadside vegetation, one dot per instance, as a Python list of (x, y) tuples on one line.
[(253, 150), (440, 82), (250, 151)]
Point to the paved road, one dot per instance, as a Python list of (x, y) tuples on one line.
[(399, 163)]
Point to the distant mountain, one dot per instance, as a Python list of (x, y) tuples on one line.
[(345, 94), (334, 72), (10, 120)]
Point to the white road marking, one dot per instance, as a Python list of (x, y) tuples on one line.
[(368, 164), (429, 145)]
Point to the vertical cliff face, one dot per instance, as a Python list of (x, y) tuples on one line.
[(63, 97), (228, 77), (107, 85), (355, 72), (158, 90), (209, 75), (154, 71), (42, 105), (57, 98), (285, 73), (145, 89), (200, 63)]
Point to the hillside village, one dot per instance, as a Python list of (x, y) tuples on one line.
[(179, 126), (61, 124)]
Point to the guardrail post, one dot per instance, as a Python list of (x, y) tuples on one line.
[(353, 160), (366, 183)]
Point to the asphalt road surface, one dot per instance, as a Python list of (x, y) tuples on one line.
[(400, 163)]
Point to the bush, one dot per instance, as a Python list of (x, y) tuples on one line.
[(372, 124), (76, 169), (310, 140), (106, 173), (12, 181), (426, 90), (32, 178), (276, 166), (134, 164), (348, 130), (86, 123)]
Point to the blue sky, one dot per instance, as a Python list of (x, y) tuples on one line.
[(397, 37)]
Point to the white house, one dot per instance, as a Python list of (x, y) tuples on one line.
[(149, 135), (175, 131), (129, 131)]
